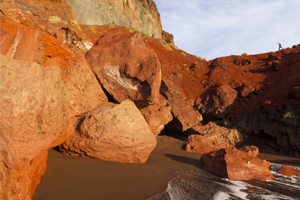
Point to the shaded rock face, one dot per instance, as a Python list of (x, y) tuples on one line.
[(35, 116), (184, 115), (282, 126), (236, 165), (213, 137), (113, 133), (140, 14), (217, 103), (125, 67), (84, 90), (251, 150)]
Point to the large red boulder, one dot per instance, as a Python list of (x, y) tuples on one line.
[(236, 165), (218, 102), (113, 132), (184, 114), (212, 137), (288, 171), (35, 116), (126, 68), (84, 90)]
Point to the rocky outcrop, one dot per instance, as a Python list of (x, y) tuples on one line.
[(84, 90), (288, 171), (140, 14), (212, 138), (236, 165), (217, 103), (125, 67), (35, 116), (184, 115), (113, 133), (168, 37), (282, 126)]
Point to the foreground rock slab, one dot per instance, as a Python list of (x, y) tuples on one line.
[(35, 117), (84, 90), (113, 132), (125, 67), (236, 165), (288, 171), (212, 137)]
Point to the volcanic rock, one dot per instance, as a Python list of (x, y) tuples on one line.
[(251, 150), (125, 67), (34, 118), (157, 117), (288, 171), (185, 116), (276, 65), (113, 132), (168, 37), (296, 92), (213, 137), (21, 42), (84, 90), (218, 102), (236, 165), (142, 15)]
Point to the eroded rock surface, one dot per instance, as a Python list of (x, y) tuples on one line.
[(142, 15), (217, 103), (126, 68), (185, 116), (236, 165), (113, 132), (288, 171), (212, 137), (35, 116)]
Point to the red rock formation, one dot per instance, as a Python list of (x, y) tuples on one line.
[(218, 102), (113, 133), (236, 165), (296, 92), (251, 150), (288, 171), (157, 117), (21, 42), (84, 90), (34, 118), (212, 137), (185, 116), (126, 68)]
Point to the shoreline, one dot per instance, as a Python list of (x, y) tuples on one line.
[(80, 178)]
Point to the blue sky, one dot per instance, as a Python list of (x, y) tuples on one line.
[(216, 28)]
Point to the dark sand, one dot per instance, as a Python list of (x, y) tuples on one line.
[(78, 178)]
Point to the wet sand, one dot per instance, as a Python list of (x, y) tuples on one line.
[(80, 178)]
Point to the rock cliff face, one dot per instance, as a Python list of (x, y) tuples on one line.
[(140, 14)]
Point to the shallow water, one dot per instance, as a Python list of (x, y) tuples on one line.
[(200, 184)]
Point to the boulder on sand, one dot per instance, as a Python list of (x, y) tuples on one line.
[(236, 165), (125, 67), (35, 116), (212, 137), (113, 132)]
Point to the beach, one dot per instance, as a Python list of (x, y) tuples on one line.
[(80, 178)]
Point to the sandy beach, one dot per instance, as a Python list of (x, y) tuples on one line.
[(80, 178)]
